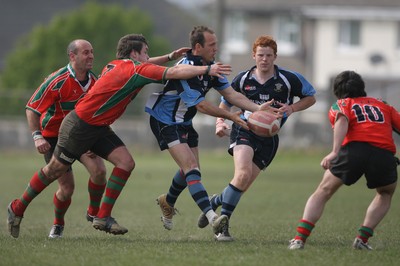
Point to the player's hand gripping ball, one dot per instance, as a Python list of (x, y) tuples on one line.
[(263, 124)]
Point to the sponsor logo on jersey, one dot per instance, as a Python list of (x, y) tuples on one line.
[(278, 87), (264, 97), (250, 88)]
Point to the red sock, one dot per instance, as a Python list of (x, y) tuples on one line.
[(364, 233), (304, 229), (95, 194), (115, 184), (36, 185), (60, 208)]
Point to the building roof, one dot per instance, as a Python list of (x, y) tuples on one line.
[(290, 4)]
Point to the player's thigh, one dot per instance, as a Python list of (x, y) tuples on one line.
[(94, 165), (121, 158), (183, 156), (388, 189), (245, 170), (329, 183), (243, 157), (195, 151)]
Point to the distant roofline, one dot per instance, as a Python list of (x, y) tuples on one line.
[(328, 11), (351, 12)]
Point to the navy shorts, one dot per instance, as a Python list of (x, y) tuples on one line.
[(77, 137), (170, 135), (264, 148), (361, 158)]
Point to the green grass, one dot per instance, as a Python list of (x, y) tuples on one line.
[(262, 224)]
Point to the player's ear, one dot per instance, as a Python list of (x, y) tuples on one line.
[(134, 55), (71, 56), (197, 46)]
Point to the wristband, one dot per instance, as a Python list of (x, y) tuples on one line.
[(170, 56), (37, 134), (208, 70)]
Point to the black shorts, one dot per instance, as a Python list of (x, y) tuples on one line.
[(264, 148), (170, 135), (361, 158), (77, 137), (53, 143)]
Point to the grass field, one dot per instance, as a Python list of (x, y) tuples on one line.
[(262, 224)]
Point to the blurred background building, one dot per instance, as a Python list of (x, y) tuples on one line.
[(318, 38)]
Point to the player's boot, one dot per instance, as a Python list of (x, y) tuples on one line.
[(296, 244), (223, 235), (359, 244), (167, 211), (89, 217), (56, 231), (109, 225), (13, 221), (203, 221), (219, 222)]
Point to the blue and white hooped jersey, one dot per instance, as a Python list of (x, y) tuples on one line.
[(176, 103), (283, 87)]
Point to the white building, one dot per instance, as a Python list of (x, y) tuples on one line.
[(318, 38)]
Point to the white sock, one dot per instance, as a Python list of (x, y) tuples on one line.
[(211, 216)]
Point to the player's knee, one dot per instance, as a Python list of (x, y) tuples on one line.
[(52, 172), (65, 191), (128, 164), (193, 176), (242, 177), (125, 163), (131, 165), (100, 173)]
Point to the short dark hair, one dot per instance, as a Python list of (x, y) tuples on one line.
[(197, 35), (128, 43), (349, 84)]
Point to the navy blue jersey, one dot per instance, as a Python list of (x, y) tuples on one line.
[(283, 87), (176, 104)]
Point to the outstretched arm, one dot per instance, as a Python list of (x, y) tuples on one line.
[(188, 71), (209, 109), (298, 106), (174, 55), (244, 103)]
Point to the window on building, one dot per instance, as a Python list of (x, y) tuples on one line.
[(349, 34), (398, 35), (287, 34), (235, 34)]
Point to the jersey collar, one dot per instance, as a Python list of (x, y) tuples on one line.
[(72, 73), (197, 60)]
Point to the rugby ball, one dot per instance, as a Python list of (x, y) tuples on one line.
[(263, 124)]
